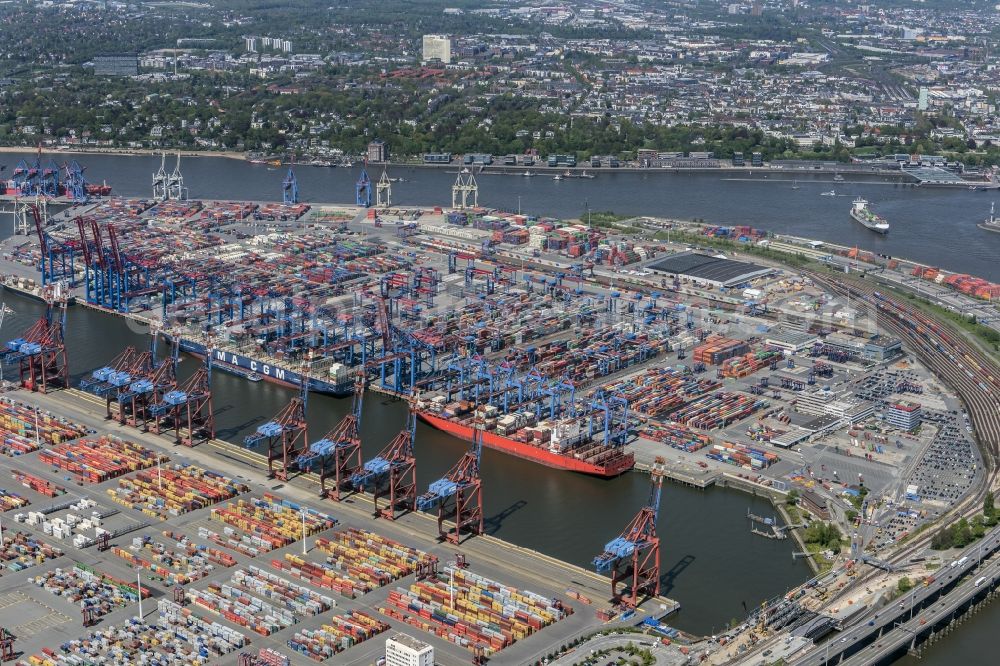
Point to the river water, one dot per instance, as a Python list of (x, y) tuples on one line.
[(973, 644), (711, 562), (932, 225)]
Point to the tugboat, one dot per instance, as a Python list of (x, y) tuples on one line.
[(861, 213), (991, 223)]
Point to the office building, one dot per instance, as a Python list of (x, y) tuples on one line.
[(904, 415), (378, 151), (437, 47), (405, 650)]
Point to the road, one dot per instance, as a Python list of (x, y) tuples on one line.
[(665, 656), (910, 605), (902, 634)]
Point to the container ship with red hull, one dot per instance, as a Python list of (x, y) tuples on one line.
[(578, 453)]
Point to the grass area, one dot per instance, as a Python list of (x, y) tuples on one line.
[(823, 565), (607, 219), (602, 217)]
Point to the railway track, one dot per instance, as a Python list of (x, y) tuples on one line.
[(966, 370), (957, 363)]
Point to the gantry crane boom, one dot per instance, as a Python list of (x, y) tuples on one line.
[(634, 557)]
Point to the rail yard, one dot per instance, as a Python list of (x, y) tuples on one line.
[(578, 348)]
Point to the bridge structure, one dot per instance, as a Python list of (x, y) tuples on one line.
[(880, 636)]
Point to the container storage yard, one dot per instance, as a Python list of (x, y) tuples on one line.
[(575, 348), (221, 566)]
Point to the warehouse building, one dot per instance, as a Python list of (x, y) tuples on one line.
[(791, 341), (877, 348), (705, 269), (110, 64)]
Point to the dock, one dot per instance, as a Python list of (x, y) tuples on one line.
[(579, 589)]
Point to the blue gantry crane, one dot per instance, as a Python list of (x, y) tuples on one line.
[(285, 435), (290, 188), (363, 189), (337, 455), (458, 495), (57, 257), (634, 557), (393, 472), (111, 278), (612, 410), (74, 183)]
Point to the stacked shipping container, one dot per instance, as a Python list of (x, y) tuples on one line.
[(171, 491)]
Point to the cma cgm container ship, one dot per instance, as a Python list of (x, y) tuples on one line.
[(337, 382), (563, 444)]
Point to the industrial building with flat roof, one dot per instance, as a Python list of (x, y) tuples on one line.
[(877, 348), (717, 271), (793, 341)]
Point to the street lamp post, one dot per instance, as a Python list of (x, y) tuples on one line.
[(303, 530)]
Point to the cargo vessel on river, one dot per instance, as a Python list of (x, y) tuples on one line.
[(563, 444), (337, 383)]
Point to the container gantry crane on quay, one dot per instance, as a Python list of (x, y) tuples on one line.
[(40, 352), (285, 435), (101, 381), (145, 391), (458, 495), (337, 456), (58, 257), (188, 408), (393, 472), (634, 557), (290, 188)]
